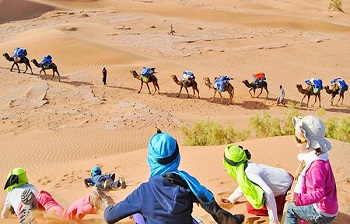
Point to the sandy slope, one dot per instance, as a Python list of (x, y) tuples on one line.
[(59, 130)]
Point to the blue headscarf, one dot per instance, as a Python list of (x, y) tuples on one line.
[(164, 157)]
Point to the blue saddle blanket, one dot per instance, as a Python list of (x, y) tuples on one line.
[(20, 52), (341, 83), (147, 72), (187, 76), (220, 83), (47, 59), (315, 82)]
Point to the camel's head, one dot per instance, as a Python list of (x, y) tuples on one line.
[(206, 79), (299, 86), (173, 76), (6, 55)]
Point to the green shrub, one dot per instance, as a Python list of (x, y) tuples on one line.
[(336, 4), (265, 126), (208, 132), (287, 124), (338, 128)]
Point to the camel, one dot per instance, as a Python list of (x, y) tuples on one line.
[(335, 91), (24, 60), (228, 88), (186, 85), (152, 79), (253, 86), (308, 92), (52, 66)]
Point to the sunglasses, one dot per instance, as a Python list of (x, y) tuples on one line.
[(300, 141)]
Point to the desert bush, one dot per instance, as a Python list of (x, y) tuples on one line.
[(286, 123), (208, 132), (265, 125), (338, 128), (336, 5)]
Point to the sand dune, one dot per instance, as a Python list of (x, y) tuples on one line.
[(59, 130)]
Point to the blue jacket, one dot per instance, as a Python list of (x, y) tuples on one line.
[(158, 200), (98, 179)]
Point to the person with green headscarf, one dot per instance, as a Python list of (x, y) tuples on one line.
[(259, 183), (22, 198)]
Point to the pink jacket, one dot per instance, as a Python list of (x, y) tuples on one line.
[(319, 187)]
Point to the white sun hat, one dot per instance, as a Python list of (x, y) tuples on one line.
[(314, 132)]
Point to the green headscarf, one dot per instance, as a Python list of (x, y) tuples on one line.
[(235, 159), (16, 177)]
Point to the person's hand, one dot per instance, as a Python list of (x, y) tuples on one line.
[(225, 200), (12, 210), (290, 196)]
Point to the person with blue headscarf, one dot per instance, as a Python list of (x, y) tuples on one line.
[(106, 182), (169, 194)]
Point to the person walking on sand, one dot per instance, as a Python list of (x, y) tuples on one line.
[(104, 73), (314, 198), (171, 30), (23, 198), (281, 95)]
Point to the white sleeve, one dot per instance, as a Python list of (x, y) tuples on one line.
[(235, 195), (6, 210), (269, 197)]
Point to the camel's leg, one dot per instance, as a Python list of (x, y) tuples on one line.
[(267, 96), (194, 92), (53, 74), (251, 93), (222, 100), (319, 100), (261, 89), (188, 95), (231, 97), (342, 99), (156, 86), (149, 91), (58, 74), (198, 93), (301, 101), (19, 71), (212, 99), (315, 100), (179, 91), (26, 68), (340, 96), (31, 70), (332, 99), (12, 67), (308, 100), (140, 87), (43, 70)]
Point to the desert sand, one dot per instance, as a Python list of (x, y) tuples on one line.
[(58, 131)]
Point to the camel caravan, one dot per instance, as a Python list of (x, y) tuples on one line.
[(20, 57), (220, 84)]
